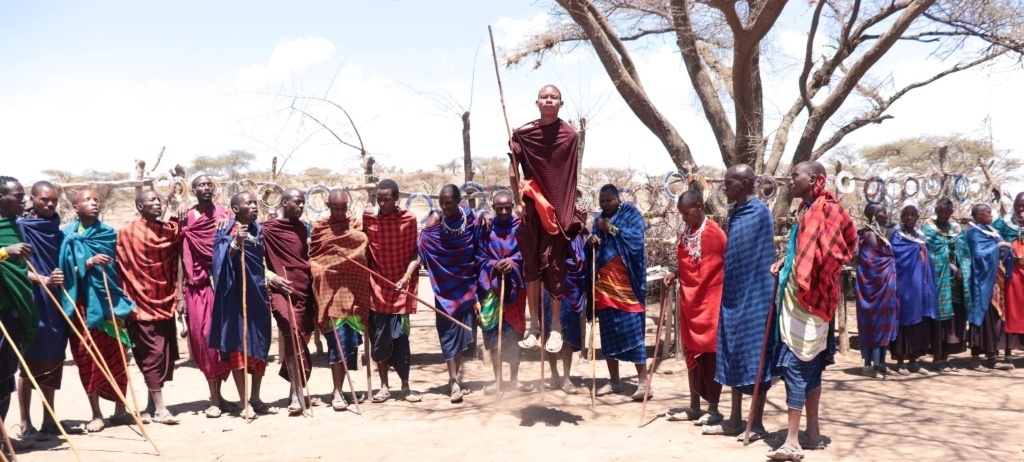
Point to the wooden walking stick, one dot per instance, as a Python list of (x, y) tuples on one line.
[(406, 292), (501, 333), (760, 364), (120, 349), (593, 326), (89, 346), (654, 360), (7, 441), (298, 352), (245, 338), (344, 367), (508, 128), (368, 361), (541, 311), (35, 384)]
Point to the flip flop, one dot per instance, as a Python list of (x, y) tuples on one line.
[(456, 393), (382, 395), (490, 389), (755, 434), (411, 396), (569, 388), (710, 418), (530, 341), (213, 412), (721, 429), (165, 418), (524, 387), (609, 388), (554, 343), (95, 426), (685, 415), (339, 403), (295, 407), (786, 453), (638, 395)]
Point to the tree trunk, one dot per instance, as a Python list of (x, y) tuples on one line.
[(582, 144), (467, 153)]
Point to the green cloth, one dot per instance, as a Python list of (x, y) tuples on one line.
[(940, 241), (15, 288), (489, 311), (354, 322)]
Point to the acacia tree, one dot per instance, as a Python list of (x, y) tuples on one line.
[(721, 42)]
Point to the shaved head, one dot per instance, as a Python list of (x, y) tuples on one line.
[(337, 196), (741, 172), (811, 167)]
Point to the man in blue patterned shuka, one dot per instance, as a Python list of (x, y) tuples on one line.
[(746, 299), (447, 246)]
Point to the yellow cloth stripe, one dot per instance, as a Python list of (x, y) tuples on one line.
[(803, 332)]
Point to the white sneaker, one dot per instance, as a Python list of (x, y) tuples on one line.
[(554, 343)]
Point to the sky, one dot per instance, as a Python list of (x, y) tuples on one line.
[(95, 85)]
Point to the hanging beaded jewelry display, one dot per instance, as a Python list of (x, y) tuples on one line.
[(448, 229), (693, 240)]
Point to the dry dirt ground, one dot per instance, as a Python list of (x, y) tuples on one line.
[(962, 416)]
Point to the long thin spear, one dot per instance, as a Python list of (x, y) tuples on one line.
[(344, 367), (245, 338), (760, 365), (369, 373), (117, 335), (7, 441), (124, 360), (298, 352), (593, 325), (654, 360), (508, 128), (501, 333)]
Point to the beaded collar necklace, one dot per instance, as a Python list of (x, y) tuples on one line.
[(693, 240), (449, 229)]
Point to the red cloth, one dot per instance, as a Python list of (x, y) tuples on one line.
[(825, 241), (110, 351), (340, 287), (391, 246), (147, 267), (549, 156), (1013, 308), (700, 293), (287, 253)]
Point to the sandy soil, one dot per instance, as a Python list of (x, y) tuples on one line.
[(963, 416)]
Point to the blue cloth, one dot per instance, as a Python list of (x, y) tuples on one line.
[(622, 335), (493, 247), (390, 340), (574, 293), (802, 377), (450, 260), (985, 256), (350, 341), (571, 331), (746, 296), (454, 339), (51, 337), (74, 251), (915, 279), (629, 243), (510, 352), (226, 317), (878, 302)]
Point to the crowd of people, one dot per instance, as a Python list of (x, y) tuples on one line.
[(353, 277), (940, 289)]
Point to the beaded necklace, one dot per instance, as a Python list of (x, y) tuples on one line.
[(693, 240), (448, 229)]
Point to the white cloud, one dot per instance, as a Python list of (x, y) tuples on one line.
[(512, 32), (292, 55)]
